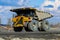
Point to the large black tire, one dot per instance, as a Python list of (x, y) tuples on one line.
[(26, 27), (44, 25), (18, 29), (33, 25)]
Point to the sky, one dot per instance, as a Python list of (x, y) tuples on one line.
[(51, 6)]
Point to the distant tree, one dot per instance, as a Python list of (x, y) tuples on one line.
[(9, 22), (0, 20)]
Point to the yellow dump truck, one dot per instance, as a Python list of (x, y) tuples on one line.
[(29, 18)]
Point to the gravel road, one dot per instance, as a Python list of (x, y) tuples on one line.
[(42, 37)]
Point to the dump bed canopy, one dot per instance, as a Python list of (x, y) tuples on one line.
[(23, 10)]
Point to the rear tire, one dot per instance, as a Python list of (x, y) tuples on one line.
[(44, 25), (33, 25), (18, 29), (26, 27)]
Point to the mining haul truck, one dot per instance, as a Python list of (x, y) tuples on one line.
[(30, 19)]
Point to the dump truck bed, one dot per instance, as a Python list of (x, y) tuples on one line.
[(43, 15), (22, 10)]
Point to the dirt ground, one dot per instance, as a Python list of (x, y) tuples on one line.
[(42, 37), (14, 37)]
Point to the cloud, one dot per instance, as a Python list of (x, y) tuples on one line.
[(20, 2), (49, 6), (0, 6), (23, 3), (3, 8), (53, 7), (17, 3), (52, 0), (56, 3), (6, 8), (59, 8), (9, 2), (5, 14), (55, 10), (46, 3), (5, 11), (30, 3)]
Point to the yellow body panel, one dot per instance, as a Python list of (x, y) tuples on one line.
[(18, 18)]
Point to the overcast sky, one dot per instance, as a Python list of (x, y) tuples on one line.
[(52, 6)]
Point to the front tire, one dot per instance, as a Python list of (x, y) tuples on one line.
[(18, 29)]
